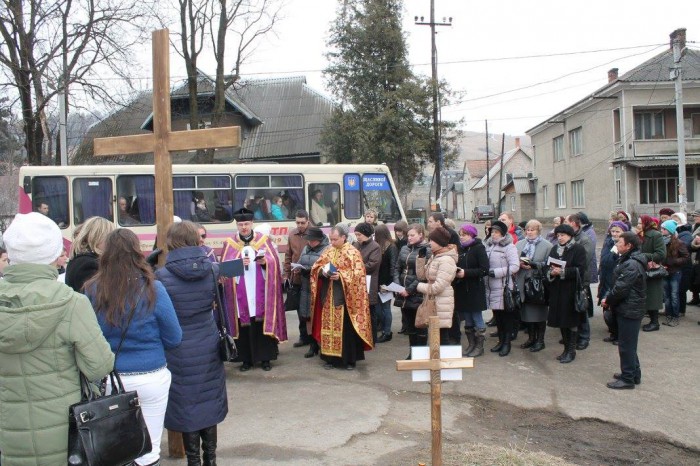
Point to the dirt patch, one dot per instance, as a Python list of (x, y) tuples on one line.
[(496, 431)]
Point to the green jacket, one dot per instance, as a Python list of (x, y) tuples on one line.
[(47, 333)]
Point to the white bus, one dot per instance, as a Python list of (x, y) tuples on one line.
[(209, 194)]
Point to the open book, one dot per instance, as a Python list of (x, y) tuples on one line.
[(552, 262)]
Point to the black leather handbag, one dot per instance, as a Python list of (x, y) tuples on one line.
[(227, 345), (107, 430), (580, 296), (534, 289), (511, 297)]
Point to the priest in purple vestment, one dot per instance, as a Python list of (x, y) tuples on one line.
[(253, 301)]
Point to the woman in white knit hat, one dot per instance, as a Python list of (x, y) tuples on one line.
[(48, 333)]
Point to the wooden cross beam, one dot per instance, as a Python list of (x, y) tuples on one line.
[(435, 364), (161, 143), (164, 140)]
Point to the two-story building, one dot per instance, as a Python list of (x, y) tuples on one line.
[(617, 149)]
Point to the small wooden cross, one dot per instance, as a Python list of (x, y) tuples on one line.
[(435, 365), (161, 142), (164, 140)]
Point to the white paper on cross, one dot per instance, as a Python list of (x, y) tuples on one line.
[(446, 352)]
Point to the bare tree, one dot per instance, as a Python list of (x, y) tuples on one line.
[(52, 46), (237, 23)]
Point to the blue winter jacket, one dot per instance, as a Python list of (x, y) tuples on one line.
[(198, 388)]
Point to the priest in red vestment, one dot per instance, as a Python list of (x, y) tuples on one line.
[(340, 316), (253, 301)]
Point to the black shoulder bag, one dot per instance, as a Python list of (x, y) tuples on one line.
[(534, 289), (580, 295), (511, 298), (227, 346), (105, 430)]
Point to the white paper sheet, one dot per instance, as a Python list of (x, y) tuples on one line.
[(396, 288), (446, 352)]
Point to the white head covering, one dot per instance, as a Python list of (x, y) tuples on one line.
[(264, 228), (682, 217), (33, 239)]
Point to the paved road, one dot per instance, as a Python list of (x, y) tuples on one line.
[(300, 413)]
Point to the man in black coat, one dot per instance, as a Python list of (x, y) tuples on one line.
[(627, 299)]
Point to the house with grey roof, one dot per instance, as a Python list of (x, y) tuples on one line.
[(617, 148), (281, 121), (516, 163)]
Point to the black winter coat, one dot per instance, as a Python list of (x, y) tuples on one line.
[(561, 289), (470, 291), (608, 261), (198, 389), (80, 269), (405, 275), (628, 295), (387, 269)]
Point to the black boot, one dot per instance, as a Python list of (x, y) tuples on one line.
[(653, 324), (501, 341), (313, 349), (209, 446), (471, 338), (478, 350), (191, 443), (532, 336), (563, 342), (540, 328), (505, 349), (492, 322), (570, 345)]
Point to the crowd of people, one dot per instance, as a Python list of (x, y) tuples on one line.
[(163, 326)]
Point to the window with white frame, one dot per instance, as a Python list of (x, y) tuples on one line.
[(512, 203), (545, 196), (576, 141), (649, 125), (558, 148), (618, 184), (578, 197), (561, 195)]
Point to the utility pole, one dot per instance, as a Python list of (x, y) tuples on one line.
[(437, 154), (62, 120), (678, 44), (488, 167), (500, 173)]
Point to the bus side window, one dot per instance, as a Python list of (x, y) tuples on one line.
[(377, 195), (351, 200), (271, 197), (92, 197), (137, 194), (324, 203), (50, 197)]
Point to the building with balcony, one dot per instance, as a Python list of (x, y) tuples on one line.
[(617, 149)]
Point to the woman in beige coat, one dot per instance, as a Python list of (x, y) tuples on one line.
[(440, 270)]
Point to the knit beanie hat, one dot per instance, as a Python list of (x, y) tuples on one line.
[(365, 228), (666, 211), (33, 239), (440, 235), (469, 229), (500, 226), (566, 229), (621, 225), (669, 225)]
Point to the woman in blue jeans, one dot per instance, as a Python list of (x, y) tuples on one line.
[(469, 289), (386, 273), (676, 257)]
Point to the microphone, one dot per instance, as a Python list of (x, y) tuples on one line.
[(247, 253)]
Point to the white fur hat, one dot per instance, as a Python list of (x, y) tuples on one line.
[(33, 239)]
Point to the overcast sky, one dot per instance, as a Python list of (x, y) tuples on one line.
[(483, 32)]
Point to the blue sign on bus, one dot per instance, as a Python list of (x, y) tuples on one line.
[(376, 182), (352, 182)]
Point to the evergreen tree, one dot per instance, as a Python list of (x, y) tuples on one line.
[(385, 112)]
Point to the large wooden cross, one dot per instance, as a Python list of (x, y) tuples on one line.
[(435, 365), (161, 143), (164, 140)]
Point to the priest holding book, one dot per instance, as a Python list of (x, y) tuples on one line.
[(253, 301), (340, 316)]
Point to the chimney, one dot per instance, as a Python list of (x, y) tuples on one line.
[(612, 75), (517, 143), (680, 35)]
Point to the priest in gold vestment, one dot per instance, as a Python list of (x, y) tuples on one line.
[(340, 316)]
